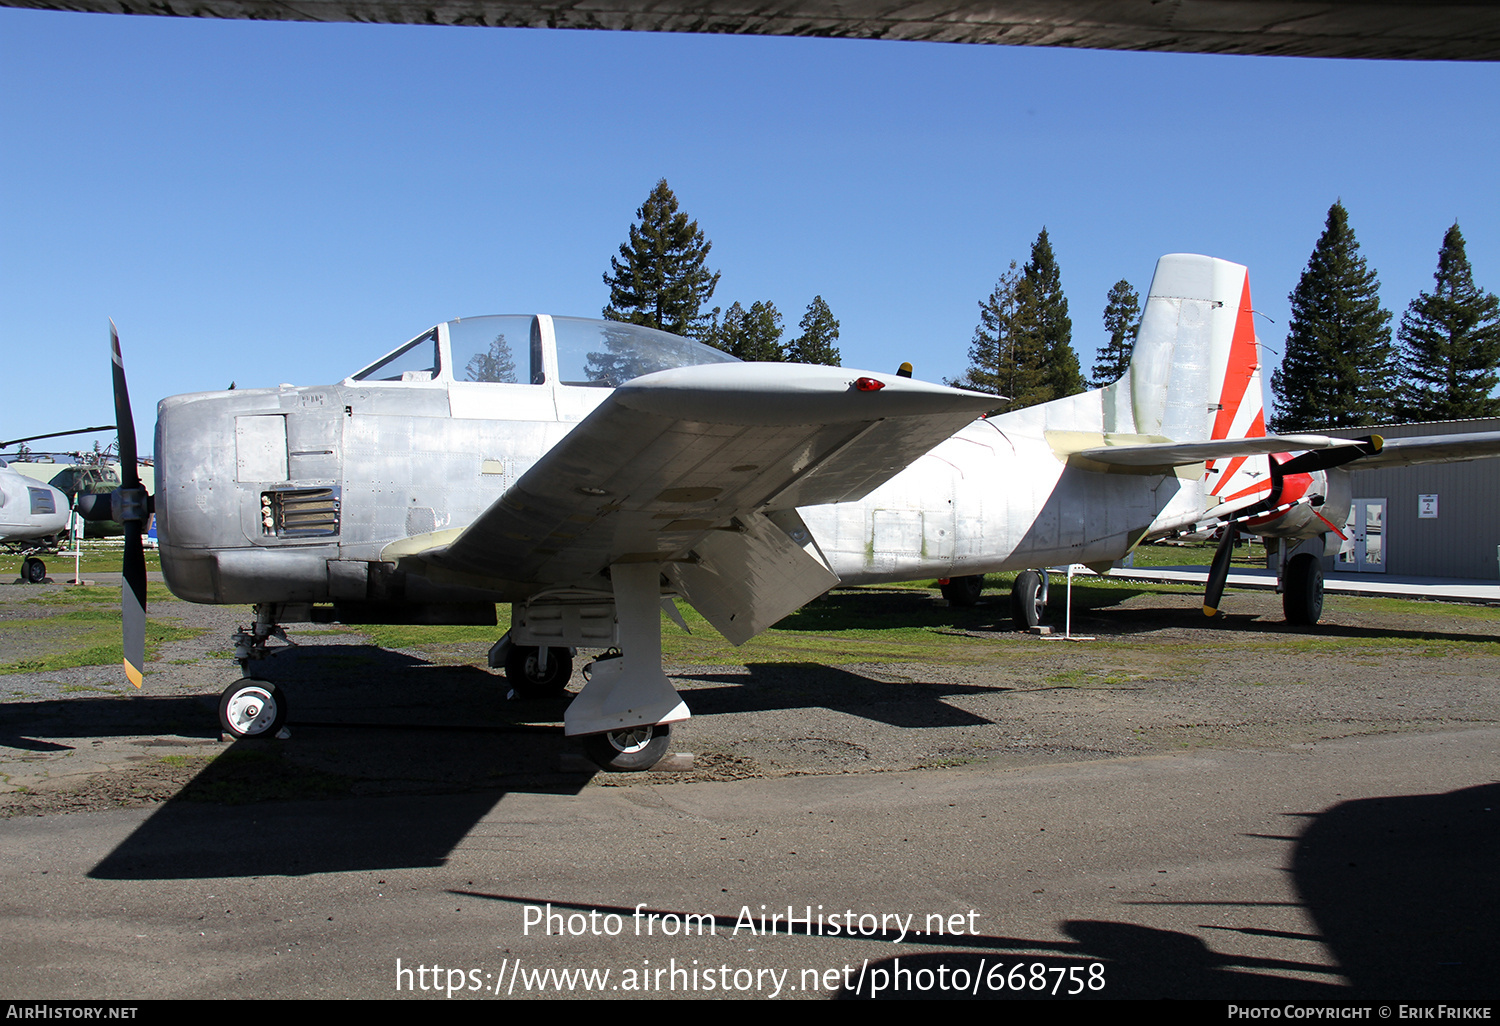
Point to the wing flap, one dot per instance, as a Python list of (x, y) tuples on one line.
[(746, 580)]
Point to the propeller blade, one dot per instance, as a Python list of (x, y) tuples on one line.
[(130, 476), (1218, 573), (133, 607), (1324, 459), (132, 509)]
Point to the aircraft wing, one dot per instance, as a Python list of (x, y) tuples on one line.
[(673, 457), (1406, 452), (1163, 455)]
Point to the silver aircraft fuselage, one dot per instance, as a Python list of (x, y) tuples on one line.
[(290, 495)]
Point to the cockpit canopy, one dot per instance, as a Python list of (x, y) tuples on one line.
[(539, 350)]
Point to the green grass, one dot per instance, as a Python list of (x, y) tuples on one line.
[(98, 558), (92, 639)]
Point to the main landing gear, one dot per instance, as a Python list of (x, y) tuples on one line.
[(1302, 590), (624, 713), (962, 591), (33, 570), (1300, 580), (1028, 598), (638, 748), (538, 671)]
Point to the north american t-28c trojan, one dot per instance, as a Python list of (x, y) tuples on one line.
[(589, 471)]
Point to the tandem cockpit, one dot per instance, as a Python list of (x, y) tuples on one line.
[(537, 350)]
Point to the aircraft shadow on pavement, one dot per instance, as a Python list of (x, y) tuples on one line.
[(26, 725), (429, 750), (773, 686), (1137, 962), (1406, 891)]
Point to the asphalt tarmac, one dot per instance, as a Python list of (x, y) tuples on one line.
[(1359, 869), (1254, 815)]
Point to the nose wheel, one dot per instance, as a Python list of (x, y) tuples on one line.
[(252, 708), (33, 570)]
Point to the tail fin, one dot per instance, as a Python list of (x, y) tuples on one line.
[(1195, 372)]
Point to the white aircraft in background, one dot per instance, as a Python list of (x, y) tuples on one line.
[(33, 514), (588, 471)]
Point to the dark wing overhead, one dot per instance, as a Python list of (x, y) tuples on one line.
[(1393, 29)]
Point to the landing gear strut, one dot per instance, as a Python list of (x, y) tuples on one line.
[(251, 708)]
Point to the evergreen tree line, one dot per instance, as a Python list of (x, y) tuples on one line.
[(1341, 368), (1022, 348), (660, 279)]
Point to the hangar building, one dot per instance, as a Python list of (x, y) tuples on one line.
[(1434, 520)]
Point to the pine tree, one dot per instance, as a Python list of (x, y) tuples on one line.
[(761, 342), (753, 335), (660, 279), (496, 364), (819, 333), (1122, 319), (1056, 339), (1450, 344), (1004, 356), (1337, 368)]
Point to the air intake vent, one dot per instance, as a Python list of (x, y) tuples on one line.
[(300, 512)]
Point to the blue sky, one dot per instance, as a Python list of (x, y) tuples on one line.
[(268, 202)]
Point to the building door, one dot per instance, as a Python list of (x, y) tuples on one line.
[(1363, 550)]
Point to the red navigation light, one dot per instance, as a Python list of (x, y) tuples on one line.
[(868, 384)]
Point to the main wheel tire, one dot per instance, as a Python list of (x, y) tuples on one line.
[(629, 751), (1028, 599), (963, 591), (252, 709), (1302, 590), (33, 570), (530, 682)]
